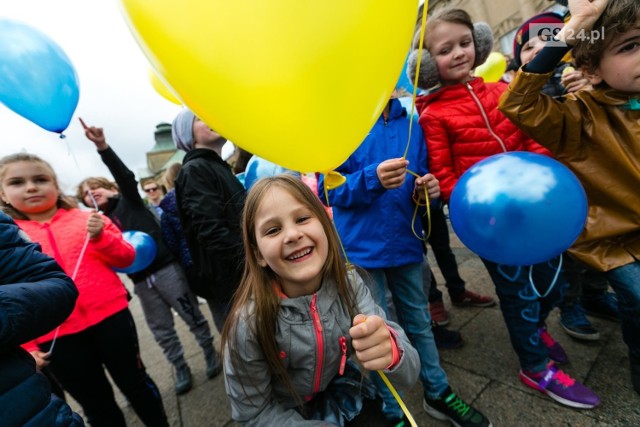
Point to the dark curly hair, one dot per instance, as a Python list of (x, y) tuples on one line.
[(618, 17)]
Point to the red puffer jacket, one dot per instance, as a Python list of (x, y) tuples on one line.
[(462, 126)]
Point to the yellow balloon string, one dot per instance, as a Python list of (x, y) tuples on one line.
[(415, 211), (392, 389), (423, 26)]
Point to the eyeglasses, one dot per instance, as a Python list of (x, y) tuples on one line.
[(150, 190)]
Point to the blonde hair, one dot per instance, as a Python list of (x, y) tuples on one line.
[(170, 175), (256, 283), (64, 202)]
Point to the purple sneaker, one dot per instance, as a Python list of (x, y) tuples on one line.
[(556, 352), (561, 387)]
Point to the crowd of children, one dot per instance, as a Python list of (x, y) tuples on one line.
[(323, 298)]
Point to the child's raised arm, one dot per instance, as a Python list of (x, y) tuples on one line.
[(584, 13)]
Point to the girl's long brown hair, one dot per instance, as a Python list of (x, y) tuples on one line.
[(64, 202), (256, 283)]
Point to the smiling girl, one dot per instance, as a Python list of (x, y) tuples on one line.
[(299, 314), (100, 330)]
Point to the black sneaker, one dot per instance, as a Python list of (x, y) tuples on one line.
[(449, 407), (575, 323), (399, 422), (445, 338), (214, 364), (183, 380)]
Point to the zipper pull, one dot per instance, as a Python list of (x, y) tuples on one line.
[(343, 350), (315, 314)]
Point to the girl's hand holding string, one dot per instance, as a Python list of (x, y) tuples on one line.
[(95, 224), (371, 340), (41, 359)]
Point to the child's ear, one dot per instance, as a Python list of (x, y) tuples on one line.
[(261, 261), (593, 77)]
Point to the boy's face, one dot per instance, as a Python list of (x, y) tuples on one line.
[(99, 194), (530, 49), (620, 63), (203, 135)]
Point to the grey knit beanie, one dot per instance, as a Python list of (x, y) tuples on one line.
[(182, 130)]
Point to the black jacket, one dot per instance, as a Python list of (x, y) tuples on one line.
[(210, 202), (35, 297), (129, 212)]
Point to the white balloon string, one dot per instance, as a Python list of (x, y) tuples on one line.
[(553, 282), (73, 277)]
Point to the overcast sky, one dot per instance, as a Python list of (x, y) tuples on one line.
[(115, 92)]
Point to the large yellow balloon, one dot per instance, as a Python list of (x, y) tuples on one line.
[(297, 82), (493, 68), (162, 88)]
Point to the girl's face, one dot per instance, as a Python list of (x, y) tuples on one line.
[(620, 63), (451, 45), (30, 188), (291, 241), (100, 194), (531, 49), (203, 135)]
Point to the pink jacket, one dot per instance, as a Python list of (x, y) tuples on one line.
[(102, 294)]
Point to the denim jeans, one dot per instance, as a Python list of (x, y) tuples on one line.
[(583, 281), (524, 311), (446, 260), (405, 284), (625, 281)]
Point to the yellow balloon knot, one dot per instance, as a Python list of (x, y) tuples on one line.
[(333, 179)]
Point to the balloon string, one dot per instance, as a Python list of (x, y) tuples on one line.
[(423, 26), (379, 371), (415, 211), (73, 277), (553, 282)]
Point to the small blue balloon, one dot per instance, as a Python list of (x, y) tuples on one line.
[(257, 168), (37, 79), (518, 208), (145, 248)]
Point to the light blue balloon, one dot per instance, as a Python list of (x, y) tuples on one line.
[(37, 79), (518, 208), (145, 248), (257, 168)]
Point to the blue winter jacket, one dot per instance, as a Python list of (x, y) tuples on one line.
[(35, 297), (375, 224)]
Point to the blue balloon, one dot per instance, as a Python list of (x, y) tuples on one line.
[(518, 208), (257, 168), (145, 248), (37, 79)]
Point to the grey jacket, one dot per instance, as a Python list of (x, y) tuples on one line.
[(311, 354)]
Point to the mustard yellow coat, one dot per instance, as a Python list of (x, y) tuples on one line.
[(599, 141)]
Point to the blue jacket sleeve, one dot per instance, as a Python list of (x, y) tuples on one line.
[(361, 188), (35, 294)]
